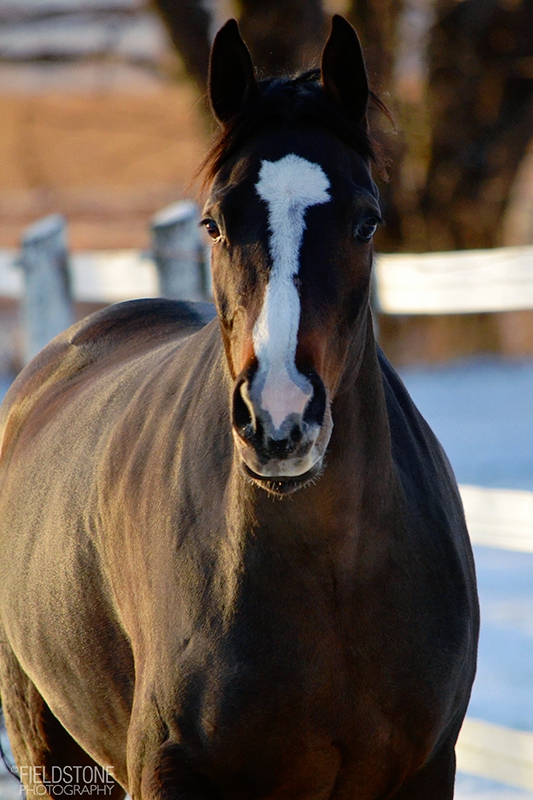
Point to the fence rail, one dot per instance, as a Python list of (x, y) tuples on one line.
[(501, 518), (97, 276), (462, 282), (421, 283), (79, 29), (51, 279), (493, 751), (413, 284)]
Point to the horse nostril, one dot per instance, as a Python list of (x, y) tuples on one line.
[(242, 415), (316, 407), (296, 434)]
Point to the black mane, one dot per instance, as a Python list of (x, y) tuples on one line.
[(293, 101)]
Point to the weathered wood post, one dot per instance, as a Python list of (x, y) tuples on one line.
[(47, 307), (178, 252)]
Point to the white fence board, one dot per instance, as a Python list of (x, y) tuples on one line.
[(432, 283), (112, 276), (493, 751), (456, 283), (102, 276), (11, 280), (501, 518)]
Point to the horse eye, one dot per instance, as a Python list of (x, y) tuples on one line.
[(211, 228), (365, 231)]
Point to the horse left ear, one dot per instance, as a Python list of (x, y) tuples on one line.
[(231, 73), (343, 70)]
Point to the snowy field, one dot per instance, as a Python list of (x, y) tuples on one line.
[(482, 412)]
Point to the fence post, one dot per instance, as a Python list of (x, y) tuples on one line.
[(178, 252), (47, 307)]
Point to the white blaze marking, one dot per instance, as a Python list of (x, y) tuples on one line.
[(288, 186)]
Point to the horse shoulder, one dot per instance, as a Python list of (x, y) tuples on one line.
[(109, 336)]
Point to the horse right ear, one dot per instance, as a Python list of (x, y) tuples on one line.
[(343, 70), (231, 73)]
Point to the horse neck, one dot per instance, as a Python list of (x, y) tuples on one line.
[(361, 439)]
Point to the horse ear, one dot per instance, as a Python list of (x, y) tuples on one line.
[(343, 70), (231, 73)]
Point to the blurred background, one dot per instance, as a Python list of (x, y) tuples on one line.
[(103, 120)]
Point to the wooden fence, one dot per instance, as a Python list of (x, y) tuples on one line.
[(456, 283), (47, 280), (493, 751), (406, 284)]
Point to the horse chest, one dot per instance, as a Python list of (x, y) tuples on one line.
[(298, 698), (289, 735)]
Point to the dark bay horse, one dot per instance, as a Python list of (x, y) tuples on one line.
[(233, 557)]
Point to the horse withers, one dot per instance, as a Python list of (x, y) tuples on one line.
[(233, 557)]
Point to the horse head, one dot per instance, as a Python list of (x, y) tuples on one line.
[(291, 211)]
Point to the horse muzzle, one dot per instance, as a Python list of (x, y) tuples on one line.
[(281, 451)]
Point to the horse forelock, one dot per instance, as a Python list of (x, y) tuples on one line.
[(298, 101)]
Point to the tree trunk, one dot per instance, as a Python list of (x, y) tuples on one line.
[(481, 115), (189, 26), (376, 22), (283, 37)]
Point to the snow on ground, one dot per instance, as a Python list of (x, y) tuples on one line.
[(482, 412), (470, 788)]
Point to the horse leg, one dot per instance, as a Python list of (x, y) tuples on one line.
[(435, 781), (42, 748)]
